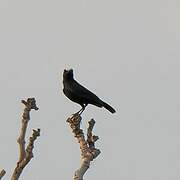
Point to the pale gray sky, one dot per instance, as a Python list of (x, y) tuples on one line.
[(127, 52)]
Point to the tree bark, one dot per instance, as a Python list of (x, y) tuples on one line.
[(25, 153), (2, 173), (87, 147)]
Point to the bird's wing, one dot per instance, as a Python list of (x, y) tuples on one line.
[(87, 95)]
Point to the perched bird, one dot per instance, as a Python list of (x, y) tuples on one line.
[(79, 94)]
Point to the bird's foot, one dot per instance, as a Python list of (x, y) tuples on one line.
[(79, 112), (76, 114)]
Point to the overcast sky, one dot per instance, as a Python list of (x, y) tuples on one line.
[(127, 52)]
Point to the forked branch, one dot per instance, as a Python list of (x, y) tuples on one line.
[(25, 153), (87, 147)]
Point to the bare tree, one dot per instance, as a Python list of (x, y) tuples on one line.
[(87, 145)]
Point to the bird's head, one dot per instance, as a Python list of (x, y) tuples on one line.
[(68, 74)]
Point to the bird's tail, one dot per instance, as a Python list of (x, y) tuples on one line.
[(108, 107)]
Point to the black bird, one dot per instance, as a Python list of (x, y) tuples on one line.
[(79, 94)]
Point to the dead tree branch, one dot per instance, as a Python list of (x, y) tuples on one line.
[(2, 173), (25, 153), (87, 147)]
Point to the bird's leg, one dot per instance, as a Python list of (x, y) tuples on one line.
[(79, 112), (82, 109)]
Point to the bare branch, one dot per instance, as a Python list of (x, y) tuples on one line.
[(2, 173), (25, 154), (88, 150)]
